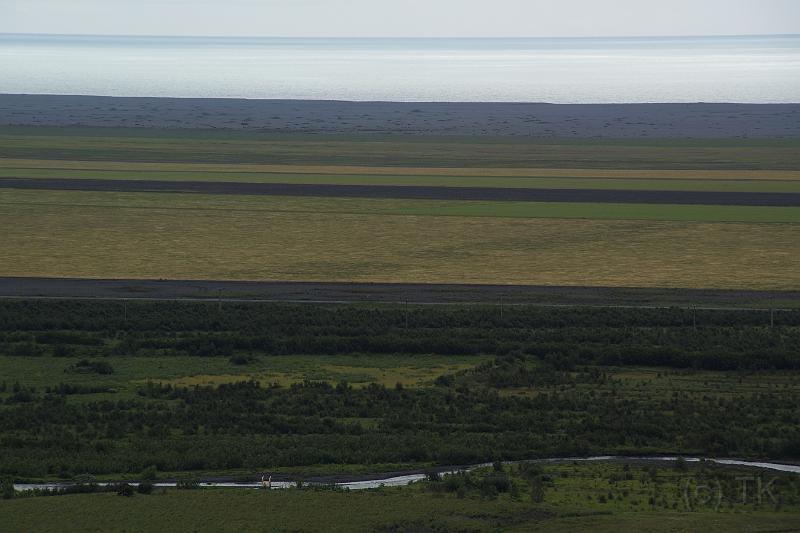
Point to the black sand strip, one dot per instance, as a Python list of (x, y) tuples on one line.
[(336, 292), (632, 121), (414, 192)]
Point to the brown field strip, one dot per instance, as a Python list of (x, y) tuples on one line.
[(404, 171)]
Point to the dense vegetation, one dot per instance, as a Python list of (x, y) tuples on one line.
[(677, 338), (550, 387)]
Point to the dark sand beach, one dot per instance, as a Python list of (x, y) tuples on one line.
[(335, 117)]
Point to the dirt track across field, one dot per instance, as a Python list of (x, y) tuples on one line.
[(317, 292), (414, 192)]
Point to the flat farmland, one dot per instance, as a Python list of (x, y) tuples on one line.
[(494, 194), (135, 168), (396, 206), (181, 236), (424, 178), (390, 509), (586, 237), (107, 144), (386, 509)]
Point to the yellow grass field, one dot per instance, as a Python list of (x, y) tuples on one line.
[(68, 239), (356, 376), (100, 144), (8, 163)]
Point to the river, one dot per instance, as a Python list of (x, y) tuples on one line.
[(399, 480)]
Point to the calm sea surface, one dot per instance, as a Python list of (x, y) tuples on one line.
[(705, 69)]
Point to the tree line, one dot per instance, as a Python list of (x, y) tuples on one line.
[(672, 337)]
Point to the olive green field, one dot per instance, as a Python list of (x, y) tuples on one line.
[(133, 372), (133, 386), (186, 236), (763, 181), (204, 146), (164, 235), (603, 497)]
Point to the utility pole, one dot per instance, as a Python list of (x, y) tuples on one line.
[(694, 317), (219, 300), (406, 313)]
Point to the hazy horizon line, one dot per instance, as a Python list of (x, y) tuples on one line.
[(412, 102), (417, 37)]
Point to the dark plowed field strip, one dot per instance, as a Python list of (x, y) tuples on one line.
[(414, 192), (417, 293)]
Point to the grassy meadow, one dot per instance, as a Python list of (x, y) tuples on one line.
[(166, 168), (108, 144), (266, 205), (186, 371), (604, 497), (185, 236), (782, 181), (195, 236), (185, 389)]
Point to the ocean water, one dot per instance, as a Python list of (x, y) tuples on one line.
[(585, 70)]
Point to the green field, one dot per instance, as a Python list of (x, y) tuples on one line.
[(266, 205), (577, 497), (176, 389), (186, 236), (195, 236), (103, 144), (132, 372), (167, 167), (412, 371)]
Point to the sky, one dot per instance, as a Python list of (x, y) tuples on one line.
[(402, 18)]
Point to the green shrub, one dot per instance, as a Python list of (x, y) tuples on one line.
[(499, 482), (7, 488), (124, 489), (241, 359), (149, 474), (456, 482)]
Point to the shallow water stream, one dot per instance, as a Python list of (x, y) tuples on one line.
[(402, 480)]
